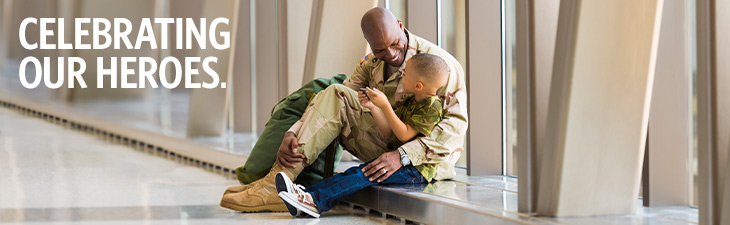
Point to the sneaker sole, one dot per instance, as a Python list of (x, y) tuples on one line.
[(293, 203), (284, 184)]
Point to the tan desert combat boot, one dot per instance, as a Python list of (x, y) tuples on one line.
[(261, 195), (241, 188), (241, 174)]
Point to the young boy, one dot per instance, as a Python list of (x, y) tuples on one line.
[(418, 114)]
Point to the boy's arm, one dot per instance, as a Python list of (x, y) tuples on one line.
[(403, 131), (380, 120)]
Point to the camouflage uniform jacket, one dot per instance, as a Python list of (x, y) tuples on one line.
[(443, 145), (422, 116)]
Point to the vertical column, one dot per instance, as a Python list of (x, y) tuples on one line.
[(524, 17), (722, 48), (241, 89), (282, 46), (599, 107), (422, 16), (208, 107), (315, 26), (4, 26), (712, 119), (536, 29), (266, 59), (669, 134), (508, 93), (722, 52), (707, 143), (484, 77)]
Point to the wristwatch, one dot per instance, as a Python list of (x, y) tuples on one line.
[(404, 160)]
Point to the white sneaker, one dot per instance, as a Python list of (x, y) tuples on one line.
[(302, 201), (284, 184)]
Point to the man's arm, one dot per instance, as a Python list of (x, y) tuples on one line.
[(360, 78)]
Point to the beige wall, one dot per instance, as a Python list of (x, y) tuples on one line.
[(341, 42), (298, 18)]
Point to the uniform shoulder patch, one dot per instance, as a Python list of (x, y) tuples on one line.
[(364, 58)]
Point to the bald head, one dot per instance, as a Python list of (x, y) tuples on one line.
[(377, 20), (385, 35)]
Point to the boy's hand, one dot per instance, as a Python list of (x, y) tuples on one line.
[(378, 98), (364, 100)]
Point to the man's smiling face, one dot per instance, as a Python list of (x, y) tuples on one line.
[(389, 43), (386, 35)]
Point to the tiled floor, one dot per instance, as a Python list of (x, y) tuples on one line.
[(49, 174), (498, 195)]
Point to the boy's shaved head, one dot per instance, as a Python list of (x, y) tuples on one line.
[(430, 69)]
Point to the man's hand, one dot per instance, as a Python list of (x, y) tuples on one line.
[(287, 154), (382, 167), (378, 98)]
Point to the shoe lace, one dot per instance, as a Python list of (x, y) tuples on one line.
[(298, 188), (303, 197)]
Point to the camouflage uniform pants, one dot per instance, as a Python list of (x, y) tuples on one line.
[(284, 115), (336, 113)]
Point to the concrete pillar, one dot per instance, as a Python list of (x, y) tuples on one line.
[(599, 107), (209, 107), (265, 60), (242, 91), (536, 30), (669, 119), (484, 77)]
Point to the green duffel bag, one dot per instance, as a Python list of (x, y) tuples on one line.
[(284, 114)]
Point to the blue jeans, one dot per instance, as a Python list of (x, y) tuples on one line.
[(328, 192)]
